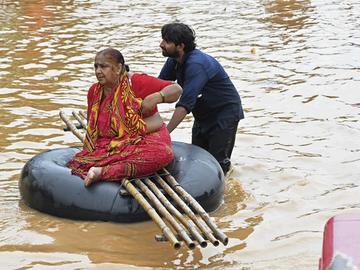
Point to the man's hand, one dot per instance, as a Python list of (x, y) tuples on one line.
[(178, 115)]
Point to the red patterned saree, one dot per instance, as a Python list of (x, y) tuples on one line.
[(116, 138)]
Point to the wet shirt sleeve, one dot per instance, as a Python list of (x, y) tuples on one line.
[(194, 80)]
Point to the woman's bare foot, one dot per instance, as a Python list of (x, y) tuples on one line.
[(93, 176)]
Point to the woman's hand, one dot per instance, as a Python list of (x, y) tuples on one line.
[(153, 123)]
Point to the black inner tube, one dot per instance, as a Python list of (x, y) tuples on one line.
[(47, 185)]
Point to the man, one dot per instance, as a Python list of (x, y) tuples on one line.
[(207, 92)]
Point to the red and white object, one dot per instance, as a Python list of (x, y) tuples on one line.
[(341, 243)]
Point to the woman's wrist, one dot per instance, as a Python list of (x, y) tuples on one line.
[(162, 95)]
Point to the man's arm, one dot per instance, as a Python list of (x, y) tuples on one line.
[(195, 80), (178, 115)]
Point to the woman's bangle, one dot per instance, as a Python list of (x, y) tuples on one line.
[(162, 96)]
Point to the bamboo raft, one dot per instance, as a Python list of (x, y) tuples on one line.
[(185, 221)]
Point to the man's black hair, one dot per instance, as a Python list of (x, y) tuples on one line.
[(179, 33)]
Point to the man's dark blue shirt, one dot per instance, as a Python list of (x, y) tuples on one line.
[(207, 90)]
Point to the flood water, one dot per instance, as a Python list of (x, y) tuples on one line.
[(296, 161)]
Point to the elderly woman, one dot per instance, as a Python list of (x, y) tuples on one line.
[(125, 136)]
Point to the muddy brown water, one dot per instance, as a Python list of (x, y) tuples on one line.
[(297, 156)]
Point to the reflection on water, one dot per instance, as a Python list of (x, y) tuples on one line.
[(288, 14), (296, 158)]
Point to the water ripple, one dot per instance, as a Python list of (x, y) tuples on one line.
[(296, 158)]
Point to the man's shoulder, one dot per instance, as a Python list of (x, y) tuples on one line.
[(197, 54), (199, 57)]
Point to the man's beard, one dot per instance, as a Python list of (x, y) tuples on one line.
[(173, 54)]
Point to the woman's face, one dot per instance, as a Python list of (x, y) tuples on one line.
[(107, 71)]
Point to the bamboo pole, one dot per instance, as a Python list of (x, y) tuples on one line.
[(133, 191), (71, 126), (79, 119), (197, 207), (164, 212), (83, 114), (205, 230), (189, 225), (152, 213)]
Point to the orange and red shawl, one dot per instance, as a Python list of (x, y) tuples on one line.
[(125, 117), (116, 137)]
